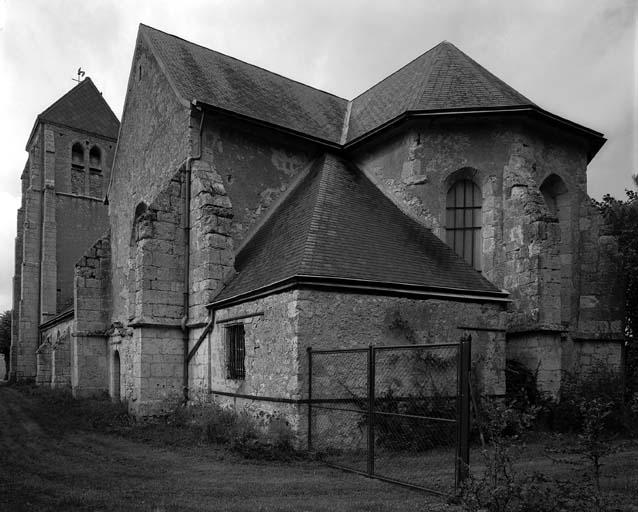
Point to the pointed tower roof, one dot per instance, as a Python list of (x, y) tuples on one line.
[(83, 108), (337, 226), (442, 79)]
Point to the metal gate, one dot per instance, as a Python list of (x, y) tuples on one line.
[(396, 413)]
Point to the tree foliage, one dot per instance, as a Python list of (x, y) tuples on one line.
[(621, 216), (5, 332)]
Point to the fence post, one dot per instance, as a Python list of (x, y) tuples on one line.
[(463, 414), (309, 350), (371, 392)]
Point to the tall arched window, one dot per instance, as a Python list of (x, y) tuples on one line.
[(463, 221)]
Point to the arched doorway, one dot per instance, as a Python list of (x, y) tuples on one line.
[(115, 385)]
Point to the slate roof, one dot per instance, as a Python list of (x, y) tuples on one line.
[(337, 224), (84, 108), (443, 78), (216, 79)]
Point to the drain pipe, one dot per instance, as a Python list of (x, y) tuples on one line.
[(187, 239)]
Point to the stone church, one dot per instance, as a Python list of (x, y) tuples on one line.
[(251, 216)]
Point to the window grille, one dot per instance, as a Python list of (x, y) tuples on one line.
[(463, 221), (235, 352)]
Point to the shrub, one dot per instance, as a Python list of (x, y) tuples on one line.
[(601, 384), (239, 431), (501, 487)]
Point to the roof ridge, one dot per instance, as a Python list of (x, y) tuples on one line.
[(276, 205), (483, 70), (397, 71), (311, 237), (418, 93), (55, 103), (244, 62), (346, 123)]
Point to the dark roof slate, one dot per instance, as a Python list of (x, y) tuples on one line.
[(84, 108), (337, 224), (224, 82), (443, 78)]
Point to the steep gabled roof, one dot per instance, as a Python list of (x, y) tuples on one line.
[(83, 108), (442, 79), (215, 79), (336, 224)]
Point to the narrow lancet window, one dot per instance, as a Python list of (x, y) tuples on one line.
[(463, 221)]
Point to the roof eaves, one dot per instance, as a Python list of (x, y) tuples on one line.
[(362, 286), (63, 315), (410, 114), (260, 122)]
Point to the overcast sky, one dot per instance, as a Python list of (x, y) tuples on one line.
[(574, 58)]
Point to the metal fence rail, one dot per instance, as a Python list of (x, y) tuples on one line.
[(397, 413)]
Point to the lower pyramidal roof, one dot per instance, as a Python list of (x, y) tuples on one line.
[(335, 227)]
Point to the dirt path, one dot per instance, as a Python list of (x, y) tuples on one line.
[(45, 466)]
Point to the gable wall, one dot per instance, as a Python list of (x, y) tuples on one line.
[(154, 141)]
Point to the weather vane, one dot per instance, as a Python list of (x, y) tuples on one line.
[(80, 75)]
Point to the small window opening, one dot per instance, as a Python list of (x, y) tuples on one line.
[(235, 352), (77, 156), (553, 190), (95, 159)]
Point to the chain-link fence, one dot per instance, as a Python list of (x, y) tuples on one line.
[(398, 413)]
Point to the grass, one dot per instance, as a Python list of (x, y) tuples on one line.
[(57, 453), (60, 454)]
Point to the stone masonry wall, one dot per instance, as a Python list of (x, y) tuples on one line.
[(24, 352), (546, 251), (92, 308), (271, 345), (154, 142), (279, 328), (600, 306), (271, 342), (17, 284), (80, 222), (54, 229), (56, 349), (149, 343), (156, 265), (211, 244), (342, 320), (255, 166)]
